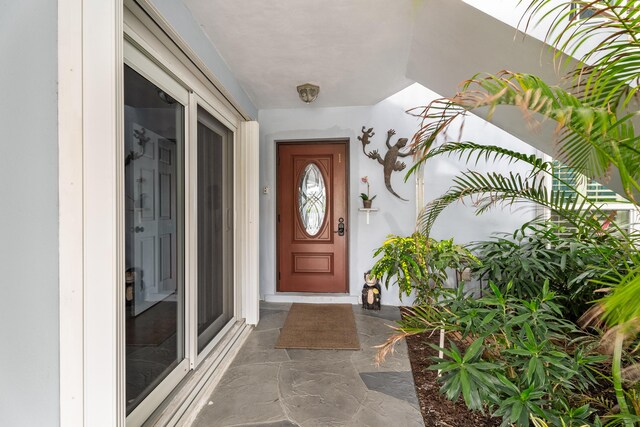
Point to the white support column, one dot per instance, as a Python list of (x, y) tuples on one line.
[(248, 220)]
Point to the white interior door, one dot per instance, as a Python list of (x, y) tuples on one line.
[(154, 218), (167, 223)]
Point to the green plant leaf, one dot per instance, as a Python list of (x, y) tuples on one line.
[(473, 350)]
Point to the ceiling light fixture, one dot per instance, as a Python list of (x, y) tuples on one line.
[(308, 92)]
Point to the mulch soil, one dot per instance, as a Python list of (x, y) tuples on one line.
[(437, 410)]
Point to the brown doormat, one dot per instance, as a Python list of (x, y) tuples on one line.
[(320, 326)]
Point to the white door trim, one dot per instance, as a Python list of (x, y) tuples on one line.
[(90, 91), (70, 234), (103, 149)]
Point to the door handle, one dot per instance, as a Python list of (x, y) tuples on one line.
[(340, 227)]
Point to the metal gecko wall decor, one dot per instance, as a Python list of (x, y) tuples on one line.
[(390, 160)]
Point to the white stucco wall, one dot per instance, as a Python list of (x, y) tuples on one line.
[(511, 12), (29, 363), (395, 216), (518, 15)]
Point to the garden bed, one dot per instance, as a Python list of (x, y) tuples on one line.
[(436, 410)]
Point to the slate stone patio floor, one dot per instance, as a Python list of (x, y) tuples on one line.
[(270, 387)]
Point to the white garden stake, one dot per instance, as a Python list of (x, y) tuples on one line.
[(440, 353)]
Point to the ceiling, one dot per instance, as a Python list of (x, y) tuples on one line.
[(362, 51), (355, 50)]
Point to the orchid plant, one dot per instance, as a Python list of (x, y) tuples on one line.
[(363, 196)]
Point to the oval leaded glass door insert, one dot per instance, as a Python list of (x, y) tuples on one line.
[(312, 199)]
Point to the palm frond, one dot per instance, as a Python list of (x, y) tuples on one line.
[(606, 45), (474, 152), (487, 190), (621, 305), (590, 139)]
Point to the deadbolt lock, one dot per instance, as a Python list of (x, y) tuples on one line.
[(341, 227)]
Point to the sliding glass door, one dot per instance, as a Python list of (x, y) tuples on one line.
[(154, 124), (179, 231), (215, 227)]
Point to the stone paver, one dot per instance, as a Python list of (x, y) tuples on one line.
[(268, 387), (396, 384)]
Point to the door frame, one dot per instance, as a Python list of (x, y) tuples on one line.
[(91, 260), (346, 142)]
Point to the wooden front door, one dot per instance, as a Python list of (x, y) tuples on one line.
[(312, 218)]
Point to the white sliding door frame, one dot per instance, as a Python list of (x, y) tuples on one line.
[(91, 194), (177, 59), (144, 66), (195, 102)]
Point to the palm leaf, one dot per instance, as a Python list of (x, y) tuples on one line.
[(606, 44), (621, 305), (590, 139), (487, 190), (473, 152)]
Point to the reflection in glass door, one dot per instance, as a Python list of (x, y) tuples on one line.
[(154, 235), (215, 227)]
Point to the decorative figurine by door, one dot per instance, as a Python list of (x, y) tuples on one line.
[(371, 292)]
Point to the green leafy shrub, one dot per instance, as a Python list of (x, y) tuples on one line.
[(573, 264), (418, 263), (523, 359), (596, 116)]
